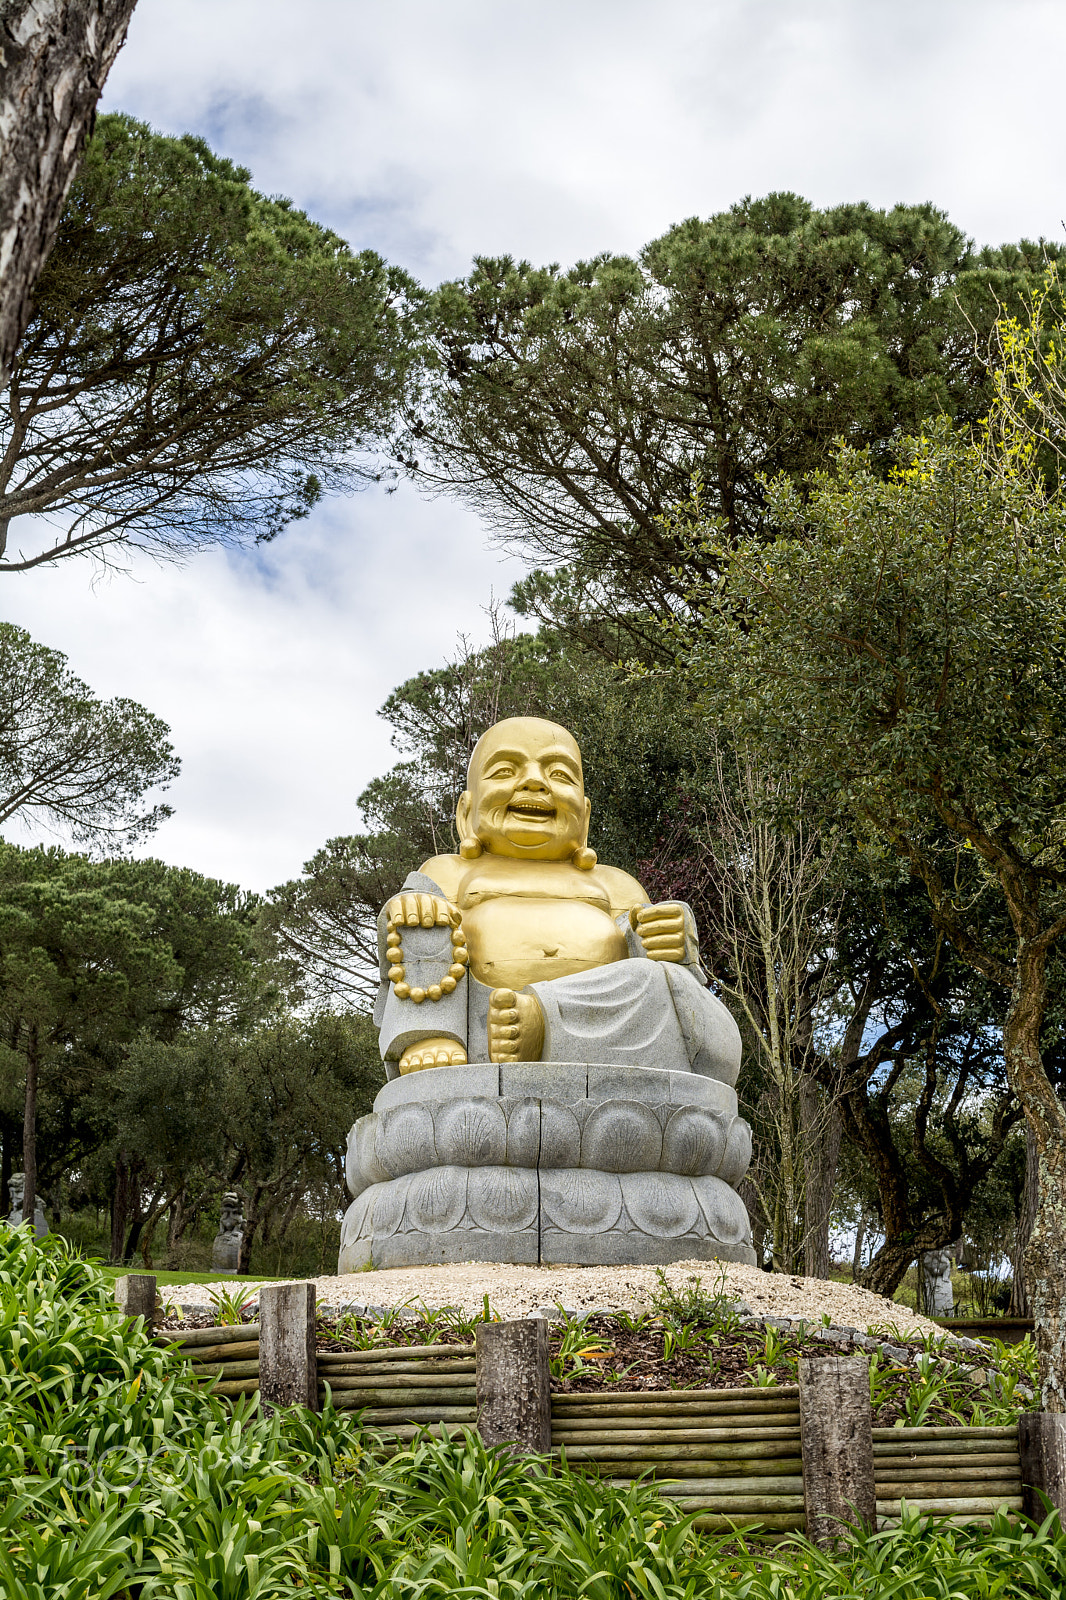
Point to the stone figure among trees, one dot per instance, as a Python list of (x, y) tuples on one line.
[(226, 1249), (16, 1216), (660, 430)]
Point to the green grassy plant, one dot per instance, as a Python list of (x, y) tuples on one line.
[(692, 1304), (579, 1351), (230, 1303), (126, 1480)]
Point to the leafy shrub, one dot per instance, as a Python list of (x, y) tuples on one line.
[(124, 1480)]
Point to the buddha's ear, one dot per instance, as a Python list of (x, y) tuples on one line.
[(463, 824), (588, 814)]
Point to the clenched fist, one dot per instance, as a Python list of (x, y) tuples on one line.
[(661, 930)]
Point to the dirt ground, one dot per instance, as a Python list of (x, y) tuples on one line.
[(516, 1291)]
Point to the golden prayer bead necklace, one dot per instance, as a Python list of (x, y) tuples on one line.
[(398, 973)]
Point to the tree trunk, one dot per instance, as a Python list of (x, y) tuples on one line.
[(136, 1209), (823, 1126), (253, 1215), (756, 1216), (177, 1221), (860, 1240), (1019, 1299), (159, 1203), (29, 1125), (55, 56), (120, 1207), (889, 1267), (1045, 1254), (289, 1214)]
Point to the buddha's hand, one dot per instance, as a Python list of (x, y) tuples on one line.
[(406, 911), (422, 911), (661, 930)]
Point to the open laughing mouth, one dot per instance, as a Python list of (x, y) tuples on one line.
[(531, 811)]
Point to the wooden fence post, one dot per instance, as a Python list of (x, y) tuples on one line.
[(836, 1433), (514, 1384), (1042, 1449), (288, 1370), (135, 1294)]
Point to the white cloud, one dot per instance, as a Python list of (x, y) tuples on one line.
[(269, 666), (561, 129), (432, 132)]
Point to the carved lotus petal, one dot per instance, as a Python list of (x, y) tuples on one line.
[(725, 1211), (578, 1201), (693, 1142), (737, 1156), (436, 1200), (353, 1175), (523, 1134), (471, 1133), (503, 1199), (622, 1136), (405, 1139), (358, 1219), (363, 1165), (660, 1203), (560, 1135), (389, 1200)]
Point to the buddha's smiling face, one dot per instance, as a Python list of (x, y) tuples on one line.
[(526, 797)]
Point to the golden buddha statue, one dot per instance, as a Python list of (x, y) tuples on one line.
[(539, 952)]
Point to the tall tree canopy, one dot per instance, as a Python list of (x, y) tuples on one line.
[(201, 364), (94, 956), (572, 408), (900, 650), (72, 762)]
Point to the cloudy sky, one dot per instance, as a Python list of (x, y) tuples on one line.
[(435, 131)]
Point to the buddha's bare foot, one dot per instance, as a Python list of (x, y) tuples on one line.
[(432, 1053), (516, 1026)]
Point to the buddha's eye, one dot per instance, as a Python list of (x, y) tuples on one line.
[(505, 771), (562, 774)]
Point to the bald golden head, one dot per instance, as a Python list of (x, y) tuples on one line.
[(525, 733), (525, 793)]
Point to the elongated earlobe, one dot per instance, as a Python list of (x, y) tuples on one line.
[(470, 849), (584, 859)]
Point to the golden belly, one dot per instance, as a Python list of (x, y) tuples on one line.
[(514, 941)]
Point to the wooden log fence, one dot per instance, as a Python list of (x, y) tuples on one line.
[(965, 1474), (731, 1456), (759, 1459)]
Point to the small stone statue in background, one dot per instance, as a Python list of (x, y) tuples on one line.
[(226, 1249), (937, 1292), (17, 1188)]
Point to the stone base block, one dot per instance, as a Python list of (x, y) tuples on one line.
[(633, 1250), (555, 1215), (547, 1163)]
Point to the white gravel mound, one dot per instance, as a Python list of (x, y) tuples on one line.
[(516, 1291)]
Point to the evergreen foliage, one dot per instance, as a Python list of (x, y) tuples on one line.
[(69, 761), (573, 407), (202, 363), (900, 648)]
